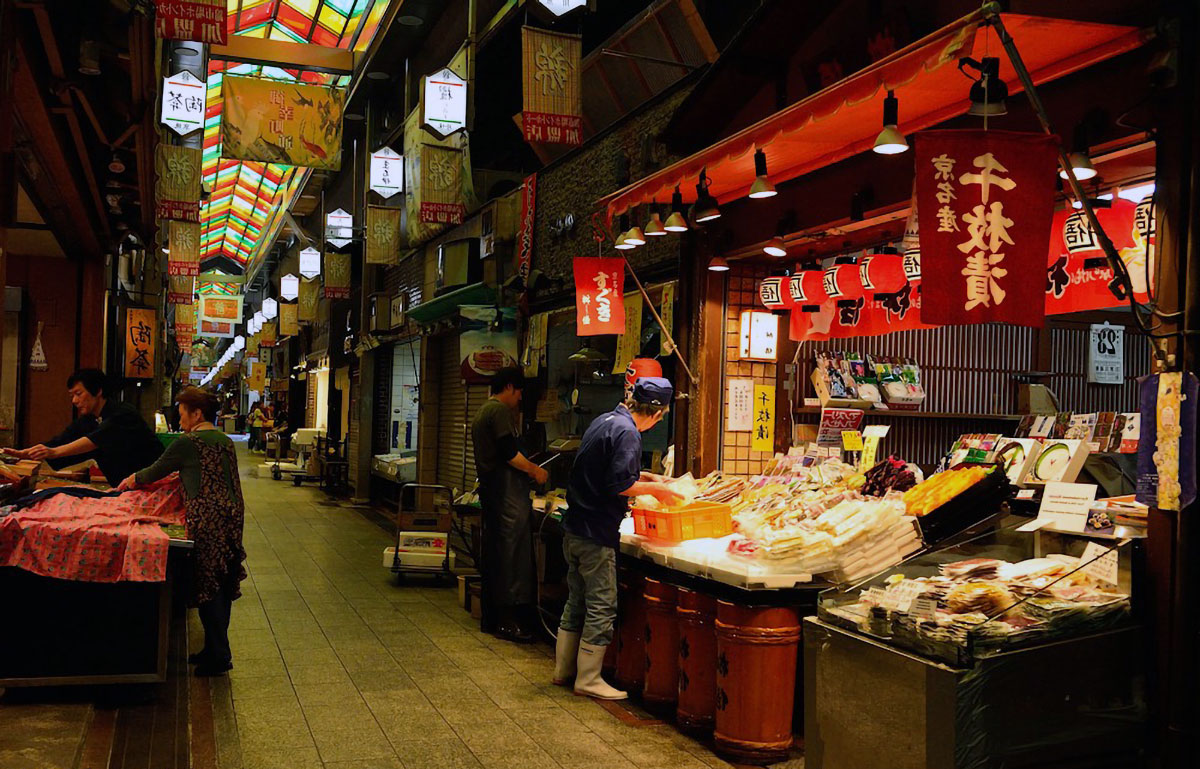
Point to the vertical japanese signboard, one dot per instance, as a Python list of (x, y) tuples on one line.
[(387, 172), (763, 435), (382, 235), (183, 103), (310, 262), (140, 325), (308, 300), (553, 105), (280, 122), (441, 193), (202, 21), (985, 200), (339, 227), (739, 410), (599, 287), (289, 321), (181, 290), (629, 343), (184, 256), (337, 275), (525, 226), (444, 106), (177, 192)]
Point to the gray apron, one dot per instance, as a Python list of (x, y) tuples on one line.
[(507, 535)]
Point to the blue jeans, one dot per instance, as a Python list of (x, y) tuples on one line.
[(592, 584)]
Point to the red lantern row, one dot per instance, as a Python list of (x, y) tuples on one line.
[(874, 274)]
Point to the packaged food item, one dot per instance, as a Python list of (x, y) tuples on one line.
[(864, 377), (900, 382)]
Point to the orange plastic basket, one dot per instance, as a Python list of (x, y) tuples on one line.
[(693, 521)]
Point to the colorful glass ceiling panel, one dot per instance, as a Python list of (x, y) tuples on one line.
[(243, 210)]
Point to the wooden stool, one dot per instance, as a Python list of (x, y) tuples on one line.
[(756, 673), (662, 647), (697, 661)]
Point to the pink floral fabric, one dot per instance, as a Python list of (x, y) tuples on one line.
[(110, 539)]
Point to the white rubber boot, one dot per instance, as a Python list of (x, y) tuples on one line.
[(587, 680), (565, 651)]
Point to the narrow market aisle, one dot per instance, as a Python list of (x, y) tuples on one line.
[(337, 667)]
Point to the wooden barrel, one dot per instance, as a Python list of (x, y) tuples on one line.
[(631, 625), (697, 661), (662, 647), (756, 673)]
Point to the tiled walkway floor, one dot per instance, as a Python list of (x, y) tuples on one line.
[(338, 667)]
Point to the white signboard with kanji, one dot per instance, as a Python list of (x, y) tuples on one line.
[(289, 285), (387, 172), (739, 414), (339, 228), (560, 7), (310, 264), (1106, 354), (183, 103), (445, 103)]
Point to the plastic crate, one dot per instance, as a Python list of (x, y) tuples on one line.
[(693, 521)]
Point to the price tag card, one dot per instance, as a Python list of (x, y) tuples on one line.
[(924, 608), (1025, 493), (852, 440), (876, 431), (1066, 505), (902, 594), (879, 597), (1100, 563)]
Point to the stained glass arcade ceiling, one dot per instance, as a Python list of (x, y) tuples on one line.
[(243, 211)]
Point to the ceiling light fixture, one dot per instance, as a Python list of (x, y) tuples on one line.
[(989, 92), (116, 165), (654, 227), (1078, 159), (676, 221), (718, 264), (706, 205), (623, 243), (890, 141), (635, 237), (762, 187), (410, 21), (775, 247)]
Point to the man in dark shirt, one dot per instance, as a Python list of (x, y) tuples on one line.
[(507, 588), (606, 474), (112, 433)]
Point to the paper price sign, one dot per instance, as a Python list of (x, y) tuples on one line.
[(1100, 563), (852, 440), (924, 608)]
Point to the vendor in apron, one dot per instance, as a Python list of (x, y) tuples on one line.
[(506, 568)]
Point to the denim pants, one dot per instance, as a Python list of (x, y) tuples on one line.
[(592, 584)]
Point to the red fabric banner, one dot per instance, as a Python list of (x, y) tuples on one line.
[(599, 295), (200, 20), (525, 227), (984, 202), (865, 316)]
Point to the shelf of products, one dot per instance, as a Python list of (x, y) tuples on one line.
[(919, 414)]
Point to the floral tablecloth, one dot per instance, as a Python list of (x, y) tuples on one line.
[(112, 539)]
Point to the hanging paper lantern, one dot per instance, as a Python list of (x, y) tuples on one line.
[(882, 273), (807, 288), (774, 293), (912, 264), (842, 282)]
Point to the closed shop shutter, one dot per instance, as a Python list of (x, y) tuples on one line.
[(477, 395), (354, 431), (381, 404), (310, 404), (452, 416)]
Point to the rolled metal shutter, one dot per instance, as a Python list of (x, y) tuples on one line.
[(452, 425)]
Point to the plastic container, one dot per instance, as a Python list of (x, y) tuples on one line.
[(693, 521)]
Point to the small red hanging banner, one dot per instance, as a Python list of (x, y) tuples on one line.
[(599, 295), (865, 316), (984, 202)]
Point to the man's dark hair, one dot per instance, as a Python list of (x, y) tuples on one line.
[(93, 380), (513, 375)]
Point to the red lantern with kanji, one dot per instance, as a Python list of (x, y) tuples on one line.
[(882, 273), (774, 293), (807, 288), (842, 282)]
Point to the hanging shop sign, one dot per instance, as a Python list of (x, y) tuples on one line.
[(759, 336), (525, 227), (289, 286), (215, 328), (1106, 354), (599, 288), (183, 100), (387, 172), (339, 228), (667, 312), (560, 7), (1078, 277), (140, 332), (196, 373), (739, 408), (257, 377), (483, 350), (221, 309), (441, 192), (177, 191), (181, 290), (268, 334), (308, 300), (184, 256), (1166, 463), (310, 262), (337, 275), (444, 106), (289, 321), (629, 343), (273, 121), (185, 326), (763, 434), (202, 21), (985, 201), (398, 310), (553, 102), (865, 316), (382, 235)]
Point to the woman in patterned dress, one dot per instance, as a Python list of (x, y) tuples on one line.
[(207, 465)]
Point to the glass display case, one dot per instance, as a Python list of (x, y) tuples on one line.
[(998, 591)]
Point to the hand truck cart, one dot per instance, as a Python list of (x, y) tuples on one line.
[(423, 552)]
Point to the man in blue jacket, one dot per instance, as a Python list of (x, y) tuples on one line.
[(606, 474)]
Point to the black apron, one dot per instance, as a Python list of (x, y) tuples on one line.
[(507, 546)]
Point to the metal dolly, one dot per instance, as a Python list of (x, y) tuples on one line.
[(439, 573)]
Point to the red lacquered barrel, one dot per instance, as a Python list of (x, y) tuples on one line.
[(662, 646), (631, 624), (697, 661), (756, 673)]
